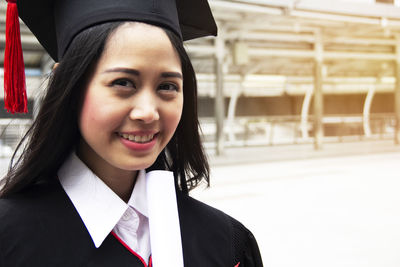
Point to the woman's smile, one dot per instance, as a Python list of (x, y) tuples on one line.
[(137, 138), (139, 146), (138, 142)]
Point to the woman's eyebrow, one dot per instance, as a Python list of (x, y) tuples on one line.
[(123, 70), (137, 73), (171, 75)]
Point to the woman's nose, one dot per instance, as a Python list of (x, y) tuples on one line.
[(145, 108)]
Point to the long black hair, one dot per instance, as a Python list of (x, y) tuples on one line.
[(54, 133)]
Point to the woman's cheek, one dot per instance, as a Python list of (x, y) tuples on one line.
[(97, 107), (175, 116), (94, 113)]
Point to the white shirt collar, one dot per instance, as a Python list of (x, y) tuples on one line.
[(138, 199), (101, 209), (95, 201)]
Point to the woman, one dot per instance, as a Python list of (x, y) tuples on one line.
[(122, 100)]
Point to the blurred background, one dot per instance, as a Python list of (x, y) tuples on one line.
[(299, 104)]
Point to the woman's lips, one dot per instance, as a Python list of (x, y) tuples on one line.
[(138, 142), (143, 138)]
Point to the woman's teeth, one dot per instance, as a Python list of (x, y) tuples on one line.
[(138, 138)]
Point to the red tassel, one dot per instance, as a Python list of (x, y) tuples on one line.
[(14, 70)]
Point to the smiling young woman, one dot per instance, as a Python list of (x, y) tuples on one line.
[(115, 149), (132, 105)]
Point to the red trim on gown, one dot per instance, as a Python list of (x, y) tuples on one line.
[(131, 251)]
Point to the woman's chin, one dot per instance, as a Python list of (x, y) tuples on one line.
[(143, 165)]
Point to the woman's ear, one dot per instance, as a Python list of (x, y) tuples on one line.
[(55, 66)]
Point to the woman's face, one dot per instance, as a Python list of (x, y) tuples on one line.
[(133, 101)]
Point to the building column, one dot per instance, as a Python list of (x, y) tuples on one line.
[(367, 111), (219, 91), (318, 94), (304, 113), (397, 92), (232, 111)]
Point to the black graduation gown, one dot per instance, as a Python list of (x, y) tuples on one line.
[(41, 228)]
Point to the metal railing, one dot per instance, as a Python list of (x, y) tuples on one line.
[(252, 130), (11, 132), (274, 130)]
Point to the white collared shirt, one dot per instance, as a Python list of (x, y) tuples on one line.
[(103, 211)]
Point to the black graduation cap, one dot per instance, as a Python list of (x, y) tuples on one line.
[(56, 22)]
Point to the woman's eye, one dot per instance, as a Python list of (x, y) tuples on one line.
[(123, 82), (168, 87)]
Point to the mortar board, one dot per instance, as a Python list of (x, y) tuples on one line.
[(56, 22)]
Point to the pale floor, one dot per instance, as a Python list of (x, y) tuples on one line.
[(331, 211)]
